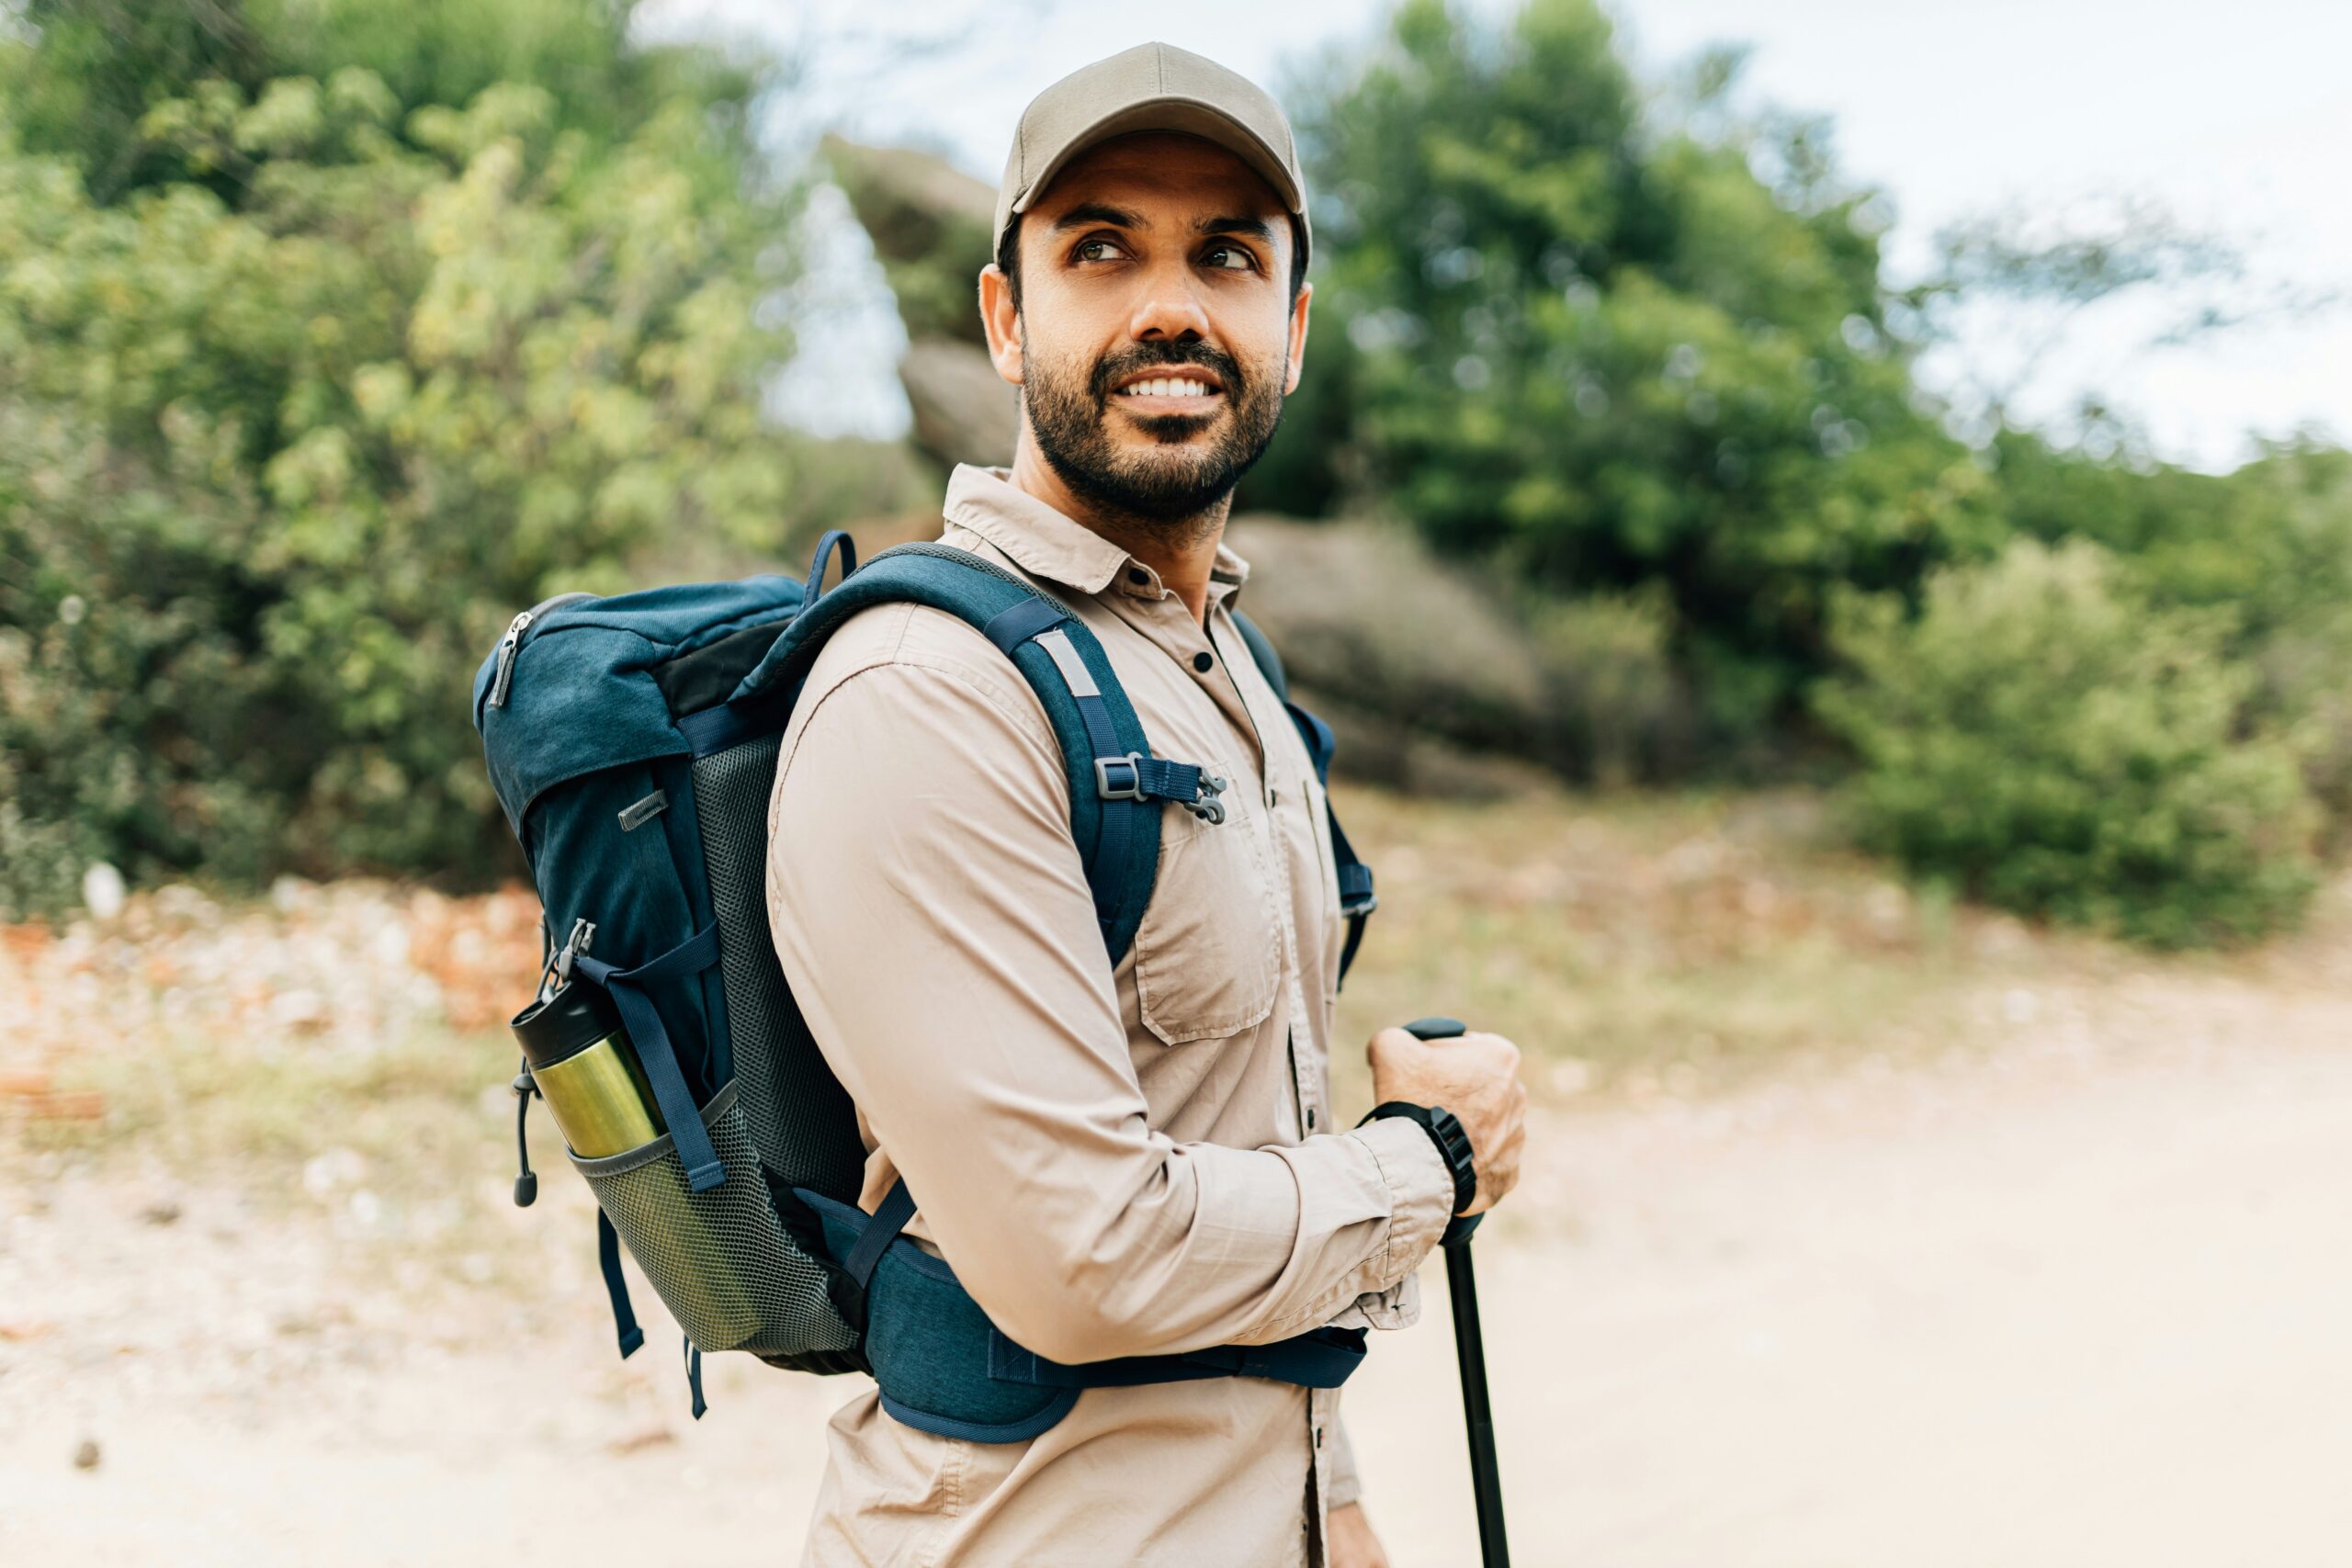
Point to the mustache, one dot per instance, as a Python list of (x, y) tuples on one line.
[(1156, 357)]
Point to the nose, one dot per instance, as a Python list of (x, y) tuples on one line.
[(1169, 308)]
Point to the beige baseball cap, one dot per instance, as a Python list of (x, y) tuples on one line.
[(1153, 87)]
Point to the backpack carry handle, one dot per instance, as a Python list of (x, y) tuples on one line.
[(815, 587)]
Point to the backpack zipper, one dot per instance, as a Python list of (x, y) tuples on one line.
[(509, 645)]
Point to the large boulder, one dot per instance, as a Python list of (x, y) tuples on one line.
[(1362, 611), (964, 411), (1413, 651), (929, 221)]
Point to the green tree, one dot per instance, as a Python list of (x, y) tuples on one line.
[(330, 336), (1605, 344)]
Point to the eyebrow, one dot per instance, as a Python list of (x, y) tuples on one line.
[(1087, 213)]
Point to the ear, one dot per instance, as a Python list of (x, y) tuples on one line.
[(1001, 321), (1297, 338)]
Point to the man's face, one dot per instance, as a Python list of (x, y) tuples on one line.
[(1154, 259)]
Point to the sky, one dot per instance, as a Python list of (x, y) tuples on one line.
[(2235, 120)]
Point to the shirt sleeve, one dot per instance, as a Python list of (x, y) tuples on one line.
[(932, 912)]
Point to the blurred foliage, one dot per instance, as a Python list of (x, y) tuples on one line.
[(333, 332), (2048, 738), (1605, 351), (2270, 543), (324, 347)]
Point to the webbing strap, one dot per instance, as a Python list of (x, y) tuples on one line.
[(890, 1217), (1108, 854), (1011, 628), (659, 1057), (1150, 778), (608, 1258), (1323, 1357), (693, 1377), (1356, 900), (718, 727)]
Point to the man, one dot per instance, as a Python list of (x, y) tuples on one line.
[(1139, 1159)]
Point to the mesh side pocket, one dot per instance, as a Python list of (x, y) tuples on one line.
[(720, 1260), (796, 1111)]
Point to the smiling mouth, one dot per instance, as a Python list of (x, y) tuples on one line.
[(1167, 395)]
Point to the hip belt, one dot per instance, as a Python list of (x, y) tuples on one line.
[(943, 1367)]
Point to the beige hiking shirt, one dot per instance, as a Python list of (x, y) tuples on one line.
[(1115, 1161)]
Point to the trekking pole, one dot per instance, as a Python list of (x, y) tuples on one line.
[(1470, 1353)]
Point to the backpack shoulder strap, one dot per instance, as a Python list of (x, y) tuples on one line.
[(1261, 648), (1356, 900), (1116, 785)]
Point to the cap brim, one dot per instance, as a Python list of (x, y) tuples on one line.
[(1189, 115)]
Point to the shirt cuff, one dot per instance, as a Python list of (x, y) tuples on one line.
[(1421, 1191), (1398, 1306)]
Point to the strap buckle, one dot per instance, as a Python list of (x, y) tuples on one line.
[(1208, 808), (1132, 789), (559, 969), (1158, 785)]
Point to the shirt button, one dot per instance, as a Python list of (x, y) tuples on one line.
[(1138, 575), (1310, 1119), (1201, 662), (1319, 1437)]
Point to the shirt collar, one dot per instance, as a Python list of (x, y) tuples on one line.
[(1045, 542)]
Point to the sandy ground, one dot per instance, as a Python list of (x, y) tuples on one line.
[(2082, 1300)]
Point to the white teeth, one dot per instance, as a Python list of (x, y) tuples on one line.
[(1165, 388)]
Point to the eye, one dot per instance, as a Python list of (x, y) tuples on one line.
[(1087, 246), (1249, 262)]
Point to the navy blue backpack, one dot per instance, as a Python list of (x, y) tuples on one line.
[(633, 741)]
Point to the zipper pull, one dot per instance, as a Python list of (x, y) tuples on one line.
[(507, 646)]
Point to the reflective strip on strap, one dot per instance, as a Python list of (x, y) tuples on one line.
[(1066, 659)]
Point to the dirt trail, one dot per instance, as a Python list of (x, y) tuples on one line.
[(2082, 1300)]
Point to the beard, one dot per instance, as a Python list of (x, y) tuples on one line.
[(1177, 478)]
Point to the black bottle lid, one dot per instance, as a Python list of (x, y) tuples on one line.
[(566, 1025)]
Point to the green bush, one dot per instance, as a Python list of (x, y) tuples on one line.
[(1618, 712), (2043, 738), (321, 384)]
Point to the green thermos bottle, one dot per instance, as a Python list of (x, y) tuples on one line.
[(588, 1072)]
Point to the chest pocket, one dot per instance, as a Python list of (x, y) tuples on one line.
[(1209, 952)]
